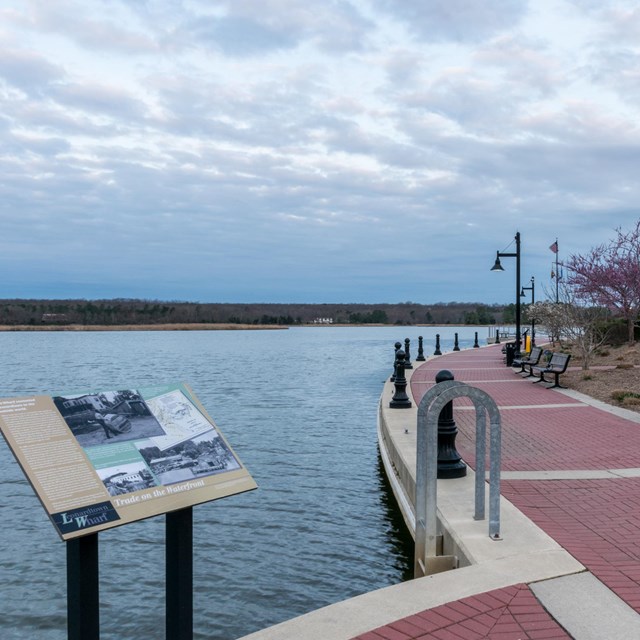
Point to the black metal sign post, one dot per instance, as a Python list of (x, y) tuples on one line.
[(83, 600), (179, 560)]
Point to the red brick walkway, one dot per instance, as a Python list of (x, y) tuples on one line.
[(512, 613), (596, 520)]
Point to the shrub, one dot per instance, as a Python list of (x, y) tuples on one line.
[(625, 397), (617, 331)]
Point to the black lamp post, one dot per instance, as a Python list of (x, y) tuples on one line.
[(532, 288), (498, 267)]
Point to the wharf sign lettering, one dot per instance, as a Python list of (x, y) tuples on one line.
[(85, 517)]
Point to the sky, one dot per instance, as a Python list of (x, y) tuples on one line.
[(311, 151)]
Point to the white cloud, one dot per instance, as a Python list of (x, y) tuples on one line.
[(254, 27), (528, 65), (27, 70), (456, 20), (96, 26)]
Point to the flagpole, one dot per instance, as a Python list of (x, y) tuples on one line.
[(557, 273)]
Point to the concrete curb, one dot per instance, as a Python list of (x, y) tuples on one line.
[(349, 618), (586, 608)]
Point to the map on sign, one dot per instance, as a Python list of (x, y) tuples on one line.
[(178, 417)]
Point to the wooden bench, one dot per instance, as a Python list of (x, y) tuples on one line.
[(528, 360), (557, 365)]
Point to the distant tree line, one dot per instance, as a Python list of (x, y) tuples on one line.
[(132, 312)]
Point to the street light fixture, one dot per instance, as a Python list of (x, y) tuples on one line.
[(532, 288), (498, 267)]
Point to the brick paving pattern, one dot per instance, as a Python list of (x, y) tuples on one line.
[(512, 613), (596, 520), (542, 435)]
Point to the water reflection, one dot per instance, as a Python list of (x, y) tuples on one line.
[(400, 541)]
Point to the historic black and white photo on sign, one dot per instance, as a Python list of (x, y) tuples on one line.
[(108, 417), (204, 455), (126, 478)]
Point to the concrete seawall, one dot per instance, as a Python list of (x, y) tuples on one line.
[(464, 538)]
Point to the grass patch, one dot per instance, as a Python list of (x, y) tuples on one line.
[(626, 397)]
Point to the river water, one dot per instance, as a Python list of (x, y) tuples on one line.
[(299, 408)]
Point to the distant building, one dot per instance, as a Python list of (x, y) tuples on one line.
[(123, 478), (322, 321), (49, 318), (82, 403)]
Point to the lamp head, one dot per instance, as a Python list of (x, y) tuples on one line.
[(497, 266)]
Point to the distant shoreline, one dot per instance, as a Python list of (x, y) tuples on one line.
[(187, 326), (142, 327), (123, 312)]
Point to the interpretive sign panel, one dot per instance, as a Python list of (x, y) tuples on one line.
[(102, 459)]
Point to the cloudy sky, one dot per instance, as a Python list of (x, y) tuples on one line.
[(311, 151)]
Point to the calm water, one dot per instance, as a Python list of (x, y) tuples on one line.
[(299, 408)]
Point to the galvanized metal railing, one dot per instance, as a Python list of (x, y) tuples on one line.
[(427, 464)]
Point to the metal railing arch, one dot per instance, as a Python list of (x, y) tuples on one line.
[(429, 410)]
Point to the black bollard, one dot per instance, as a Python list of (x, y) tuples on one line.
[(437, 352), (450, 463), (407, 354), (420, 357), (475, 344), (400, 398), (497, 337), (396, 347), (456, 346)]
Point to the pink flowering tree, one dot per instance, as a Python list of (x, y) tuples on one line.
[(609, 276)]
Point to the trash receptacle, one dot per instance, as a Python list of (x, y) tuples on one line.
[(510, 352)]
